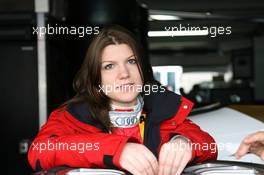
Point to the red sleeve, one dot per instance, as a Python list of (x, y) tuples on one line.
[(203, 145), (58, 144)]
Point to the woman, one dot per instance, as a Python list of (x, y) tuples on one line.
[(120, 117)]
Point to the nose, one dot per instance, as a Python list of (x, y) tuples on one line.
[(123, 72)]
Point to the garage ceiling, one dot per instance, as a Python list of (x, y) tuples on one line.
[(245, 17)]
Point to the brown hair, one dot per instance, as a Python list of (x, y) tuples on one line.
[(87, 80)]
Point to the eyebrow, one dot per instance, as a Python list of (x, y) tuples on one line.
[(114, 61)]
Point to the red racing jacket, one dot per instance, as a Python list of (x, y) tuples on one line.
[(71, 137)]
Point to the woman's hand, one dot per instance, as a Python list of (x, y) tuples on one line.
[(174, 156), (138, 160), (253, 143)]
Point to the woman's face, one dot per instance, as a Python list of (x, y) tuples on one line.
[(120, 75)]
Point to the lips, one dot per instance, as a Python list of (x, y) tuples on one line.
[(126, 85)]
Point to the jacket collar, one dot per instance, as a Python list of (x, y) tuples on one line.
[(162, 105), (159, 106), (82, 113)]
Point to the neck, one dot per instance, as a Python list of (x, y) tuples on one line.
[(138, 103), (125, 107)]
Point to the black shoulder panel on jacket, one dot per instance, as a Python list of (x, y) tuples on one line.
[(162, 105), (82, 113)]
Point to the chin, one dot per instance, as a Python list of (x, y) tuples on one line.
[(126, 97)]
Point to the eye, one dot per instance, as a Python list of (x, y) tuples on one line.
[(108, 66), (132, 61)]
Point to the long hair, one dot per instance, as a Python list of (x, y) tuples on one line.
[(87, 80)]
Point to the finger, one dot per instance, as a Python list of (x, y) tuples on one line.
[(184, 153), (173, 159), (171, 154), (262, 155), (146, 164), (258, 136), (257, 148), (161, 155), (177, 161), (242, 150), (133, 170), (162, 158), (167, 160), (152, 161), (184, 161), (133, 166), (143, 165)]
